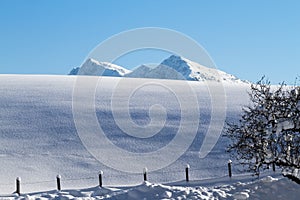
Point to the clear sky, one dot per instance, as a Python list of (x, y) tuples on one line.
[(248, 39)]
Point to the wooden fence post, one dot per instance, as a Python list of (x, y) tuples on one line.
[(100, 178), (18, 185), (145, 170), (58, 177), (273, 166), (229, 168), (187, 178)]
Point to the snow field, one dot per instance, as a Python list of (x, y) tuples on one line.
[(38, 139)]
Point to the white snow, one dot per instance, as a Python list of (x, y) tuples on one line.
[(281, 188), (241, 195), (38, 141)]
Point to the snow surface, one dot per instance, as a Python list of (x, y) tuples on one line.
[(265, 188), (38, 141)]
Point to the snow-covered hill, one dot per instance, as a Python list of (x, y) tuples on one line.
[(38, 137), (174, 68), (38, 140)]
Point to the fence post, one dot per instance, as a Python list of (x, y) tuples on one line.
[(145, 170), (229, 168), (18, 185), (100, 178), (187, 173), (58, 177)]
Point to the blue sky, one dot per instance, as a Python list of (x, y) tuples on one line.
[(246, 38)]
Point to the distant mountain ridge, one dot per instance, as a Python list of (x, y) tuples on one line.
[(174, 67), (93, 67)]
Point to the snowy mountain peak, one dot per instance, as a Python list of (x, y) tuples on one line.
[(194, 71), (95, 68), (178, 64), (175, 67)]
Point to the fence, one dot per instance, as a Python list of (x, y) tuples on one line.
[(100, 177)]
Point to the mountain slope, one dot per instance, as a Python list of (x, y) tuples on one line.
[(139, 72)]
